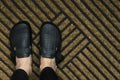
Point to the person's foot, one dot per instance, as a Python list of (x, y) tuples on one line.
[(50, 45), (47, 62), (20, 39), (24, 64)]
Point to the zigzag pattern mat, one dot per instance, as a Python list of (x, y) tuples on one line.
[(90, 33)]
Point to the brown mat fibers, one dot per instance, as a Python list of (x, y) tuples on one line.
[(90, 32)]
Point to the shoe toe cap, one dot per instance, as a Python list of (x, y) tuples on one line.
[(21, 27)]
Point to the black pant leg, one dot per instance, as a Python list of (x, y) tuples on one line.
[(48, 74), (19, 75)]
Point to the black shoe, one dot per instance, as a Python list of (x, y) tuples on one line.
[(50, 42), (20, 38)]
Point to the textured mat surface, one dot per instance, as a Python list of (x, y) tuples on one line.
[(90, 32)]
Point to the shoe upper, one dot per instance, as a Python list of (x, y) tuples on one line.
[(50, 40), (20, 38)]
